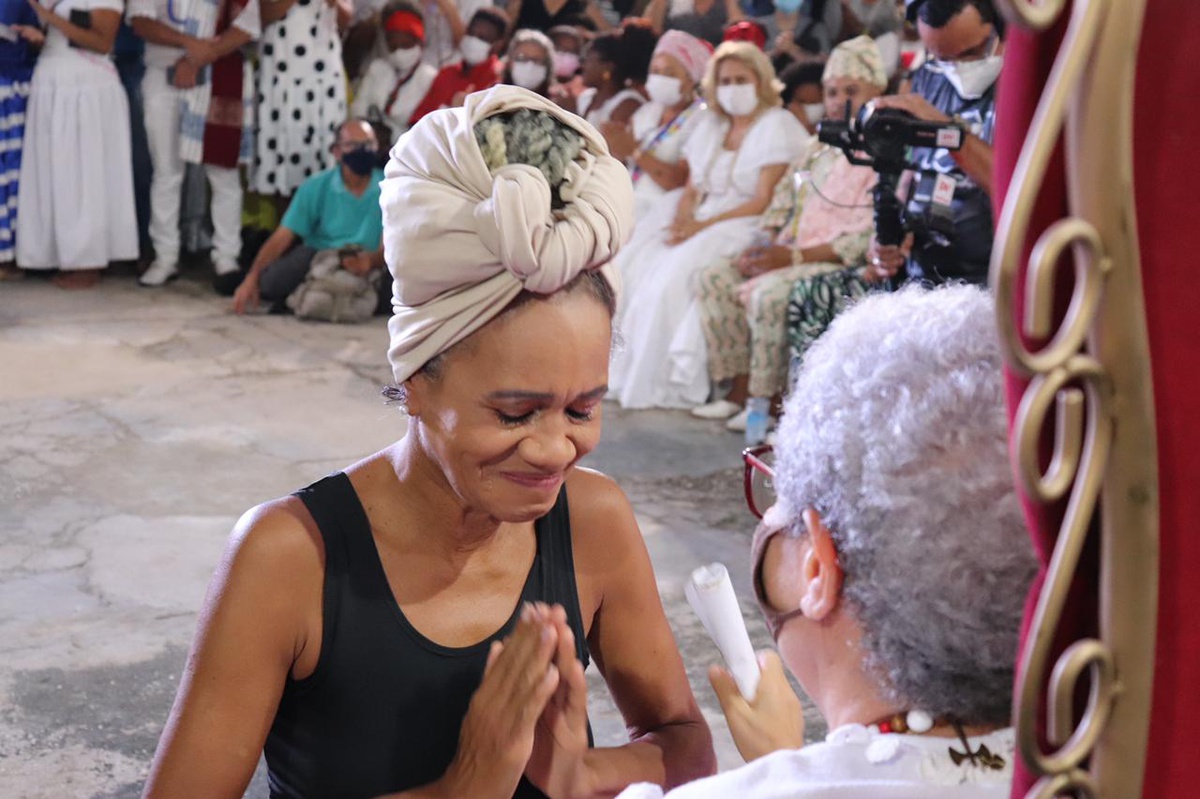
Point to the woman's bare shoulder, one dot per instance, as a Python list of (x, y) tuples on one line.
[(278, 539), (603, 526), (593, 495)]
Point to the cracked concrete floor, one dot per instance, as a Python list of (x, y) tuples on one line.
[(135, 426)]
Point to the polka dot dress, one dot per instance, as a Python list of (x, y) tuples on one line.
[(301, 97)]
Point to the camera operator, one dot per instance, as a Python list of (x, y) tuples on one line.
[(948, 207)]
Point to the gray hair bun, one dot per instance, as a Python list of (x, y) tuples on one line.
[(530, 137)]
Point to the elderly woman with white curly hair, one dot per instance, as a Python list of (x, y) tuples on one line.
[(892, 567)]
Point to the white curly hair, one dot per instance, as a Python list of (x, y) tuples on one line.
[(895, 431)]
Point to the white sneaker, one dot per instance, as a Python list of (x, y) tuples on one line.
[(738, 422), (159, 273), (721, 409)]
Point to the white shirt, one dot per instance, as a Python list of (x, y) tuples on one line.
[(857, 761), (172, 13), (603, 113), (376, 89)]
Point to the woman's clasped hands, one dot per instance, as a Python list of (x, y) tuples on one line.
[(683, 228), (528, 716)]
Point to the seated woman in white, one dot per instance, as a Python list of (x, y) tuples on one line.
[(736, 155), (652, 144), (892, 567), (394, 86)]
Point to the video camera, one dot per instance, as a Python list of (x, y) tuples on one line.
[(880, 138)]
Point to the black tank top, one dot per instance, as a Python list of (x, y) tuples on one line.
[(381, 711)]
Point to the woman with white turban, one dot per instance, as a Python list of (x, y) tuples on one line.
[(736, 155), (652, 144), (417, 625)]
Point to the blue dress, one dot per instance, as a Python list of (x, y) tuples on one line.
[(16, 68)]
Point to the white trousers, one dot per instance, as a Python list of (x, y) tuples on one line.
[(163, 102)]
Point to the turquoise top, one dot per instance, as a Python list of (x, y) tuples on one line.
[(326, 216)]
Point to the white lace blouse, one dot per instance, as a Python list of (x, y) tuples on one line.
[(857, 761)]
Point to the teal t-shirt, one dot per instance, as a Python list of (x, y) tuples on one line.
[(326, 216)]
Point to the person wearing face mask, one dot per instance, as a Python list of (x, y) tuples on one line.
[(948, 204), (736, 156), (820, 220), (653, 144), (803, 95), (892, 566), (478, 69), (337, 209), (615, 63), (530, 62), (394, 85), (569, 41)]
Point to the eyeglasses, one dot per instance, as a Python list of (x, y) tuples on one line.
[(759, 478)]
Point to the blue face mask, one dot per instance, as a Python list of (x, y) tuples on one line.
[(360, 161), (788, 6)]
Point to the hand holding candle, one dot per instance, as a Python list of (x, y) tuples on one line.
[(710, 593)]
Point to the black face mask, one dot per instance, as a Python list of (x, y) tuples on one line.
[(361, 161)]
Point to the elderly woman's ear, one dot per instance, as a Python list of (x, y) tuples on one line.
[(820, 573)]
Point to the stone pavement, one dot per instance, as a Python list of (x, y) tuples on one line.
[(136, 425)]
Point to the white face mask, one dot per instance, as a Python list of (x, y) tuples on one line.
[(664, 89), (405, 58), (814, 112), (972, 78), (474, 50), (529, 74), (738, 99), (566, 64)]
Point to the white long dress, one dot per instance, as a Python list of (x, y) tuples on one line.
[(301, 97), (76, 184), (661, 362)]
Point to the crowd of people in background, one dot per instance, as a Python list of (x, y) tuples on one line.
[(116, 115)]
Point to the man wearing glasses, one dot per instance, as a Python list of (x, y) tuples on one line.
[(948, 204)]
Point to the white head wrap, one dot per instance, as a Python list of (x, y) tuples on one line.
[(462, 243), (857, 59)]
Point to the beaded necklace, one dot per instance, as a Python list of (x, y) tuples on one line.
[(664, 132), (918, 722)]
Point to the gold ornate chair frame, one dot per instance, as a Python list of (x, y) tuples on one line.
[(1090, 384)]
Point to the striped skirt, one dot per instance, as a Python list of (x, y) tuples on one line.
[(13, 97)]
